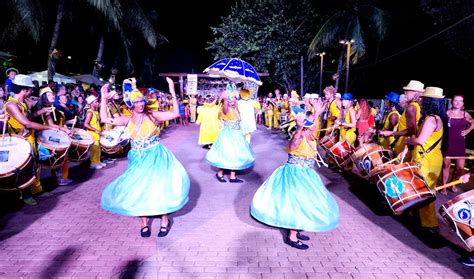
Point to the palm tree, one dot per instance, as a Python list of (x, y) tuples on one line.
[(349, 24), (109, 8), (132, 21)]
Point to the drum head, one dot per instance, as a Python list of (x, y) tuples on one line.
[(365, 149), (121, 131), (53, 139), (109, 138), (14, 153), (81, 137)]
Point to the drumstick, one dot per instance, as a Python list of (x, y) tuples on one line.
[(462, 179), (460, 157), (5, 123), (74, 123), (54, 114)]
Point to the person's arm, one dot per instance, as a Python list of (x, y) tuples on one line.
[(429, 126), (471, 125), (298, 135), (53, 125), (353, 122), (168, 115), (411, 121), (15, 112), (225, 102), (104, 116), (393, 120), (87, 123)]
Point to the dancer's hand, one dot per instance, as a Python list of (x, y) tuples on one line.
[(300, 119), (224, 95), (318, 106)]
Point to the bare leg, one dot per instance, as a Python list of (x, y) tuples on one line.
[(292, 235), (164, 220), (459, 171), (445, 174), (144, 221), (232, 174), (220, 173)]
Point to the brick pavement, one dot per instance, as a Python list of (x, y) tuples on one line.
[(68, 235)]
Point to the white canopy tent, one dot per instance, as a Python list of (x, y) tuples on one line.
[(43, 76), (89, 79)]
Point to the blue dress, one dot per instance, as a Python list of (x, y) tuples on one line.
[(294, 197), (231, 150), (154, 182)]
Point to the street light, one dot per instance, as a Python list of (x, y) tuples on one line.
[(348, 56), (321, 54)]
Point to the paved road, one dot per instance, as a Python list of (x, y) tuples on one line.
[(68, 235)]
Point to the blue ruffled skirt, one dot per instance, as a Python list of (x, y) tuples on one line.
[(294, 197), (231, 151), (154, 183)]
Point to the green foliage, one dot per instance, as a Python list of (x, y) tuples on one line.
[(271, 35)]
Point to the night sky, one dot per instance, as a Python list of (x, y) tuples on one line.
[(186, 25)]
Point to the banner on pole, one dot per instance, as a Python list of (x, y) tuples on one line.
[(191, 86)]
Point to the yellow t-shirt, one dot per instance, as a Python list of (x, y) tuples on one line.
[(403, 125), (333, 112), (387, 141), (95, 123)]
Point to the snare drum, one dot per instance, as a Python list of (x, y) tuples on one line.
[(17, 168), (81, 142), (111, 142), (283, 117), (403, 186), (459, 214), (367, 158), (341, 153), (52, 148)]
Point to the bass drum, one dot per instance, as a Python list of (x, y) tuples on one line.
[(17, 167)]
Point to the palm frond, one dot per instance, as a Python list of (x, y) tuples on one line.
[(29, 17), (110, 8), (358, 47), (377, 20), (136, 18), (328, 33)]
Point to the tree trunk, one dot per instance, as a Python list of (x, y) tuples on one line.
[(98, 60), (54, 40), (339, 68)]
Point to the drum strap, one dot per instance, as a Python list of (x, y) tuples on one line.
[(432, 146)]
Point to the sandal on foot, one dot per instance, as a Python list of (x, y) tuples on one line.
[(296, 244), (145, 231), (235, 180), (165, 230), (301, 236), (220, 178)]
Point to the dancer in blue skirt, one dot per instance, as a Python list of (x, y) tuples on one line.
[(294, 197), (155, 182), (231, 150)]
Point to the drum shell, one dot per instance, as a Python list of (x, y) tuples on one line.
[(341, 153), (464, 231), (411, 195), (26, 175), (59, 154), (368, 158), (78, 151), (328, 141)]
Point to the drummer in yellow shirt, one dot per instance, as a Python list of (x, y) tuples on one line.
[(19, 123), (92, 125), (349, 122), (333, 110)]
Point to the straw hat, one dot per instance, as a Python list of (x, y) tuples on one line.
[(11, 69), (314, 96), (45, 90), (338, 95), (414, 85), (23, 80), (90, 99), (433, 92), (307, 96)]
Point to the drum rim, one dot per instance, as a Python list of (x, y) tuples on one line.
[(38, 140), (74, 141), (459, 198), (28, 159)]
